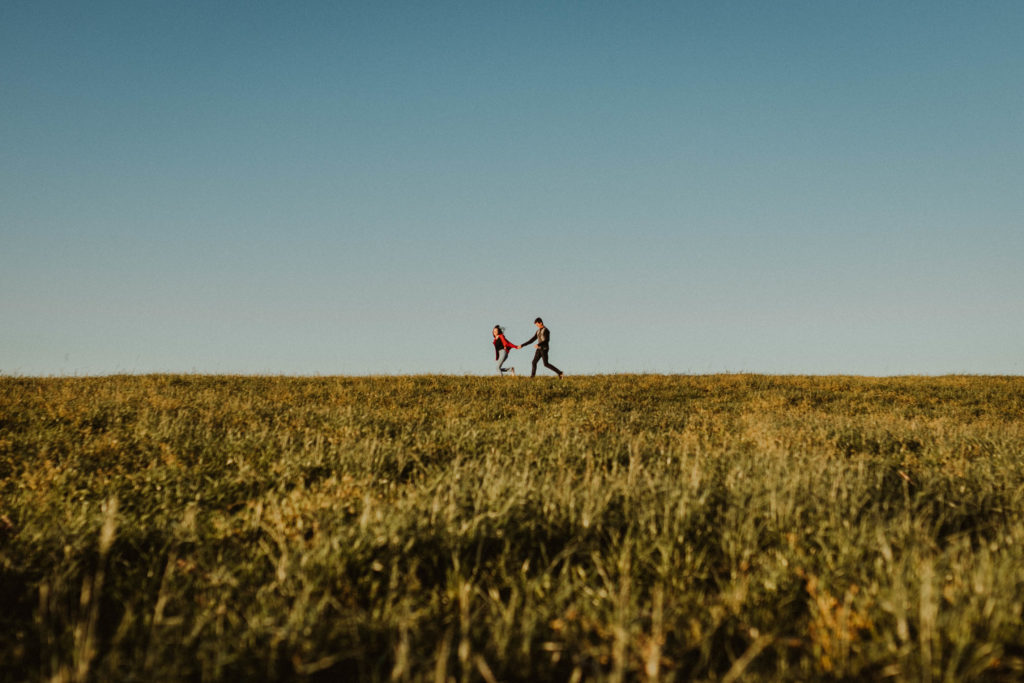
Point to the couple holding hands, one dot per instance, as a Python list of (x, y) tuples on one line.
[(502, 347)]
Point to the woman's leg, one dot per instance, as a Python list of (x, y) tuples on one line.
[(502, 357)]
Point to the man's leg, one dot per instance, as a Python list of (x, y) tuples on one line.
[(548, 365), (536, 358)]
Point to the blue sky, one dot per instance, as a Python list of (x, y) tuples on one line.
[(367, 188)]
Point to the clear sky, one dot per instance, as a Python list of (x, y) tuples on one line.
[(368, 187)]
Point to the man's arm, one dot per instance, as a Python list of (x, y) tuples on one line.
[(529, 341)]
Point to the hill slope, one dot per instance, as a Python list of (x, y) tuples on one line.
[(754, 527)]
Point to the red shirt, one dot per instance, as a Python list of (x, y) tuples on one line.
[(501, 343)]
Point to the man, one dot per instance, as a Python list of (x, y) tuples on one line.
[(542, 337)]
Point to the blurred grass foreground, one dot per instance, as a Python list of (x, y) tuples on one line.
[(433, 528)]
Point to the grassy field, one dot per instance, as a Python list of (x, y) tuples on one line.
[(486, 529)]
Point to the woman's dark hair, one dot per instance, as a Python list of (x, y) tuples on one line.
[(500, 329), (538, 320)]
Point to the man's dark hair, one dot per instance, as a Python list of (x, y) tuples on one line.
[(538, 320)]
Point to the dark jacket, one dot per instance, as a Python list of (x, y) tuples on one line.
[(542, 338)]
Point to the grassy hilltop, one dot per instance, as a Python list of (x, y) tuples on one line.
[(481, 529)]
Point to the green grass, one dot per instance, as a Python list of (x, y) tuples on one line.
[(478, 529)]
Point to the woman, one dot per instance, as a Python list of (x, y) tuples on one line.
[(501, 349)]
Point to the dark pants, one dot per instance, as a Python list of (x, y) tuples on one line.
[(542, 354)]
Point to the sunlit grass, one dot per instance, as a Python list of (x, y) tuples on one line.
[(435, 528)]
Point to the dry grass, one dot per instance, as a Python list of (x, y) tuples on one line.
[(481, 529)]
